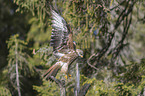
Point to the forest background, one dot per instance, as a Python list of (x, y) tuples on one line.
[(111, 34)]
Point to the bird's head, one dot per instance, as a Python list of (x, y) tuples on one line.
[(80, 52)]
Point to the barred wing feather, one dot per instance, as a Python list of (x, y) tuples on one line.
[(60, 31)]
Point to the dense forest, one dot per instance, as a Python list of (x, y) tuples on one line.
[(111, 34)]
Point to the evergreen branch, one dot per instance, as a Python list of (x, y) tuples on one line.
[(61, 84), (84, 89)]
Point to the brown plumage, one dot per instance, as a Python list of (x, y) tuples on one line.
[(63, 46), (64, 62), (61, 33), (52, 71)]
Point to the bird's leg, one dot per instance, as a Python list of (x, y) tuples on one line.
[(67, 76), (63, 77)]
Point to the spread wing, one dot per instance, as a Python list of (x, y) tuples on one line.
[(61, 34)]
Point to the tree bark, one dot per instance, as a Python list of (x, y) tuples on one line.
[(77, 87)]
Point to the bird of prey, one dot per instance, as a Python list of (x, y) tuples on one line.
[(63, 46)]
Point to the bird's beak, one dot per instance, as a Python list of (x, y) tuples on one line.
[(81, 56)]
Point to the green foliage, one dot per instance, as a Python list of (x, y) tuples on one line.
[(122, 75), (18, 64), (40, 24), (38, 30), (4, 91), (99, 87), (124, 90), (16, 52), (44, 57), (134, 73), (102, 88), (48, 88)]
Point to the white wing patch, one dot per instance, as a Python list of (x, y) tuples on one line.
[(58, 54), (64, 67)]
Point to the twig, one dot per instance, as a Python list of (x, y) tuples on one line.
[(127, 10), (88, 62), (117, 5)]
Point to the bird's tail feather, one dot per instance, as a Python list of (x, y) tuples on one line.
[(52, 71)]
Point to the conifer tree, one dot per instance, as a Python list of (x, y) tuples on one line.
[(18, 65)]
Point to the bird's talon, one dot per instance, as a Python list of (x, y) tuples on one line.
[(66, 77), (69, 75)]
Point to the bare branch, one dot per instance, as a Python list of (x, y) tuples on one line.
[(88, 62), (120, 19)]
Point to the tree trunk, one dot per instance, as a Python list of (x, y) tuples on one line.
[(17, 72), (77, 87)]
